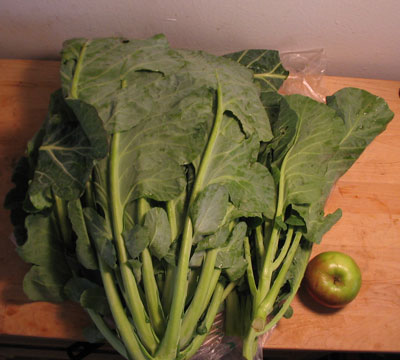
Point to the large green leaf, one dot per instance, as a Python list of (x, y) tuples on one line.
[(45, 283), (43, 247), (230, 257), (101, 234), (95, 298), (364, 117), (303, 171), (136, 240), (233, 163), (266, 65), (240, 95), (85, 252), (67, 153), (157, 223), (117, 76), (209, 209), (150, 156)]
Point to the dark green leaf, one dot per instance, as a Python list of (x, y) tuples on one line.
[(75, 286), (93, 335), (136, 240), (95, 299), (240, 94), (117, 76), (215, 240), (196, 259), (237, 270), (233, 163), (233, 249), (266, 65), (157, 224), (66, 154), (84, 251), (45, 283), (43, 246), (100, 233), (364, 116), (304, 168), (209, 209)]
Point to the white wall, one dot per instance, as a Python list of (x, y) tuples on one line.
[(361, 38)]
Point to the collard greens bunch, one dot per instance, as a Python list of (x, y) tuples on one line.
[(168, 185)]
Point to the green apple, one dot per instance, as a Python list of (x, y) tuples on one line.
[(333, 278)]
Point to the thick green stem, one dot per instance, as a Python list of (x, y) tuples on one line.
[(267, 304), (265, 277), (250, 274), (63, 222), (169, 344), (250, 341), (134, 302), (259, 237), (212, 311), (288, 240), (199, 301), (108, 334), (166, 298), (171, 212), (264, 281), (153, 301), (154, 307), (134, 350), (250, 344)]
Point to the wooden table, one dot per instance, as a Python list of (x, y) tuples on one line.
[(369, 195)]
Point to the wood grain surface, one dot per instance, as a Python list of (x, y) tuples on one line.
[(369, 230)]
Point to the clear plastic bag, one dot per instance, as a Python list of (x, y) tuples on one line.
[(218, 346), (306, 70)]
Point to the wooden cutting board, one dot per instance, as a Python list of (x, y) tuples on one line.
[(368, 194)]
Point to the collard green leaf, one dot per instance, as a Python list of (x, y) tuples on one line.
[(94, 298), (237, 270), (209, 209), (43, 246), (150, 156), (85, 253), (240, 94), (364, 117), (233, 163), (196, 260), (303, 171), (269, 73), (93, 335), (75, 287), (156, 221), (215, 240), (327, 142), (100, 232), (233, 250), (136, 240), (45, 283), (66, 154), (284, 130), (266, 65), (116, 76)]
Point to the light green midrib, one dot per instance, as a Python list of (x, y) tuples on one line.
[(78, 69)]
